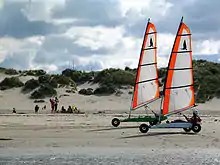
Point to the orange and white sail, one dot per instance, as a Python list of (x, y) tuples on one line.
[(178, 88), (146, 87)]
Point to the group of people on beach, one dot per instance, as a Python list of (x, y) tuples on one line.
[(54, 104), (54, 107)]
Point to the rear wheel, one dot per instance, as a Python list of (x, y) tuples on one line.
[(115, 122), (196, 128), (187, 129), (153, 122), (144, 128)]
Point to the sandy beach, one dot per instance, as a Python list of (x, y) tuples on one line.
[(28, 137)]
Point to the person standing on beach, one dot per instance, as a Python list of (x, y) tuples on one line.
[(56, 101), (36, 108), (52, 104)]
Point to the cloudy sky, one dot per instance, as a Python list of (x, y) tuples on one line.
[(97, 34)]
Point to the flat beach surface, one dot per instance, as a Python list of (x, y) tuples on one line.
[(90, 139)]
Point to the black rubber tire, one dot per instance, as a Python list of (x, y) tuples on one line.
[(115, 122), (187, 129), (144, 128), (153, 122), (196, 128)]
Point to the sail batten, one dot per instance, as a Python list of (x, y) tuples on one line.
[(146, 81), (146, 86), (179, 85)]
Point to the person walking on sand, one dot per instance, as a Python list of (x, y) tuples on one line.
[(52, 104), (56, 101), (36, 108)]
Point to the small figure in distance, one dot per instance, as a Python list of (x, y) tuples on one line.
[(14, 111), (52, 102), (75, 109), (44, 107), (63, 110), (56, 103), (36, 108), (69, 110)]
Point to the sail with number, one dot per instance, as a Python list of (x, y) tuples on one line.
[(178, 88), (146, 87)]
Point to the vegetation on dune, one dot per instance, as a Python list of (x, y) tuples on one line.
[(57, 80), (10, 82), (88, 91), (105, 89), (62, 80), (39, 72), (30, 85), (48, 83), (9, 71), (206, 78), (117, 77), (44, 91), (78, 76)]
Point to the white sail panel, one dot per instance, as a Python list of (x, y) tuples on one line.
[(147, 72), (181, 78), (148, 56), (146, 85), (142, 97), (178, 94), (178, 90), (182, 61)]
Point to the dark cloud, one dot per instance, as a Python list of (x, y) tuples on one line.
[(201, 16), (14, 23), (91, 12), (59, 48)]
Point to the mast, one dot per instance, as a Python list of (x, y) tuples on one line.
[(178, 88), (146, 87)]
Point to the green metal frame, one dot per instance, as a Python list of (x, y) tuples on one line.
[(144, 119)]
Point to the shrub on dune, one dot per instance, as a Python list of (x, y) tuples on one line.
[(88, 91), (11, 82), (11, 71), (105, 89), (30, 85), (43, 91)]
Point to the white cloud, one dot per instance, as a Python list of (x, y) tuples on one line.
[(107, 35), (207, 47), (145, 7), (95, 38)]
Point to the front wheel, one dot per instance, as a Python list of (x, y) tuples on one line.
[(196, 128), (144, 128), (115, 122), (187, 129)]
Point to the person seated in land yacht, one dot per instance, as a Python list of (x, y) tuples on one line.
[(195, 118)]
